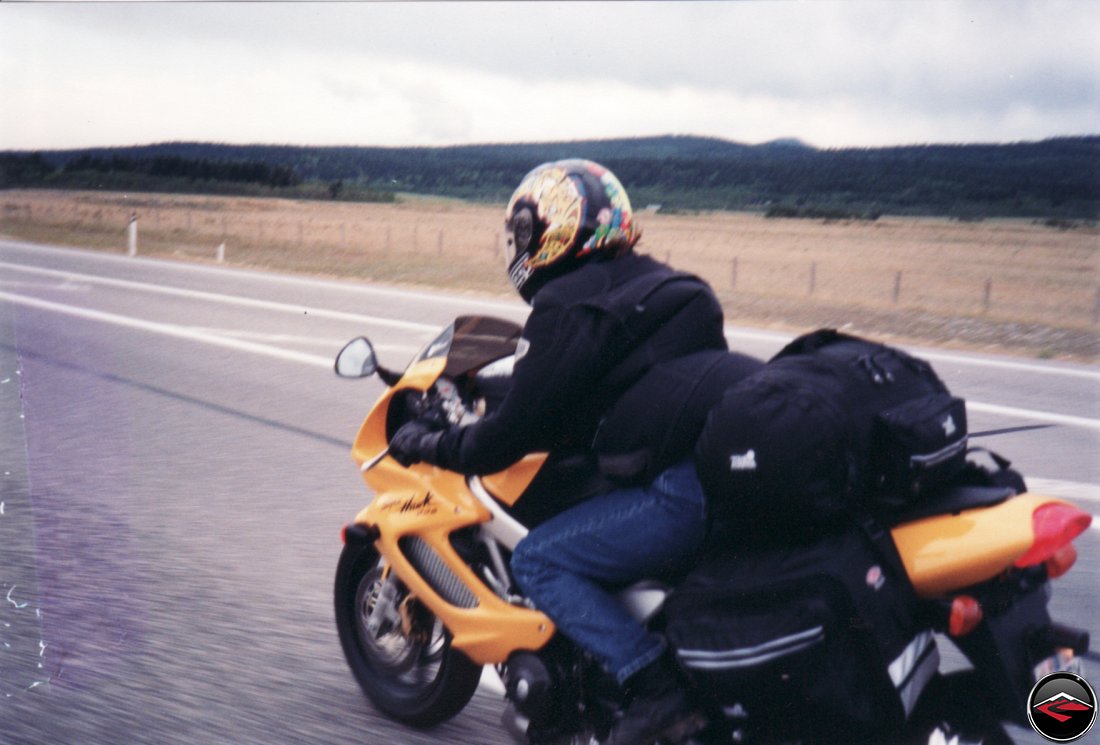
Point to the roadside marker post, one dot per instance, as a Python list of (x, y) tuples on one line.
[(132, 236)]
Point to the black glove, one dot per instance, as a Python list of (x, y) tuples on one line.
[(415, 441)]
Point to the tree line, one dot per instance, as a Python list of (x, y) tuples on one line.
[(166, 172), (200, 169), (1049, 179)]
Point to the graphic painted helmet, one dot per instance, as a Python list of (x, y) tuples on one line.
[(563, 214)]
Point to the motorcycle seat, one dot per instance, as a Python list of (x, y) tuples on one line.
[(955, 499)]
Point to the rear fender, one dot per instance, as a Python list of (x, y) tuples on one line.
[(948, 552)]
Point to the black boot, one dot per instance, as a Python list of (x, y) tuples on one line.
[(658, 707)]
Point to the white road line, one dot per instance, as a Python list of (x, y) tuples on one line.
[(231, 299), (1072, 490), (65, 286), (1040, 416), (737, 332), (168, 329), (935, 356), (349, 285), (1007, 365), (313, 341), (272, 338)]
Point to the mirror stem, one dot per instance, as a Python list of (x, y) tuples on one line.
[(389, 377)]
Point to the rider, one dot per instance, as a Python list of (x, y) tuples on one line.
[(623, 356)]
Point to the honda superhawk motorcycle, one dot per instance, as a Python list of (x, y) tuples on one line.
[(424, 597)]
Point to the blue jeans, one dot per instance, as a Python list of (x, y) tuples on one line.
[(570, 565)]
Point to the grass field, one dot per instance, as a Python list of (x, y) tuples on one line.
[(998, 285)]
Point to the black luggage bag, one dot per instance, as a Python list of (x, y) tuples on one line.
[(833, 424), (814, 641)]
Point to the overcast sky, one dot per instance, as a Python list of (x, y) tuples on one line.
[(832, 74)]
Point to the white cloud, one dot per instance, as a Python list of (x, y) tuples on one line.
[(831, 73)]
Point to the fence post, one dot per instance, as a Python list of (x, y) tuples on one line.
[(221, 252), (897, 286), (988, 294), (813, 276), (439, 244), (733, 274), (132, 236)]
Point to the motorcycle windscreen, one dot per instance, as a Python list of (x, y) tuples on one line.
[(472, 342)]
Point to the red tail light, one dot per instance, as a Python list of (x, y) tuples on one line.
[(1055, 525)]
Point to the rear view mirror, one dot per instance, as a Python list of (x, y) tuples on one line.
[(356, 359)]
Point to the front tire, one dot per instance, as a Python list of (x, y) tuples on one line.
[(398, 651)]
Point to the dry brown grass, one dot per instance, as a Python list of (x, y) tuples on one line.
[(998, 284)]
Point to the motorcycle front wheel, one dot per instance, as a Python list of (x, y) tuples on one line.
[(399, 653)]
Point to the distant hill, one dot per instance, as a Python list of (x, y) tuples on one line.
[(1056, 178)]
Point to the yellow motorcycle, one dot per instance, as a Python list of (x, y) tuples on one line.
[(425, 599)]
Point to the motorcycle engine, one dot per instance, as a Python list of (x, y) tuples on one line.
[(530, 687), (559, 695)]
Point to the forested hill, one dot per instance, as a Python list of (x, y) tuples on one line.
[(1052, 178)]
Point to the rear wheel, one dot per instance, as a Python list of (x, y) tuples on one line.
[(398, 651)]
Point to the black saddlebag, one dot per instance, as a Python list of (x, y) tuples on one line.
[(815, 641), (832, 424)]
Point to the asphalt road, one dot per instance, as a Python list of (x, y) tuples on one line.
[(176, 474)]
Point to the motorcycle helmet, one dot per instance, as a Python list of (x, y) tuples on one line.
[(561, 215)]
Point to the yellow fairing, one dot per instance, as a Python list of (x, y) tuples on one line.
[(371, 439), (948, 552), (509, 484), (427, 503), (491, 630)]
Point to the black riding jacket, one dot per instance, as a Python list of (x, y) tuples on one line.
[(617, 358)]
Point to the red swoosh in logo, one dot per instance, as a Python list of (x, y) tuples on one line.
[(1052, 708)]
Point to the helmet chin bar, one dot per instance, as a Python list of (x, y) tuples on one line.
[(520, 241), (520, 273)]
